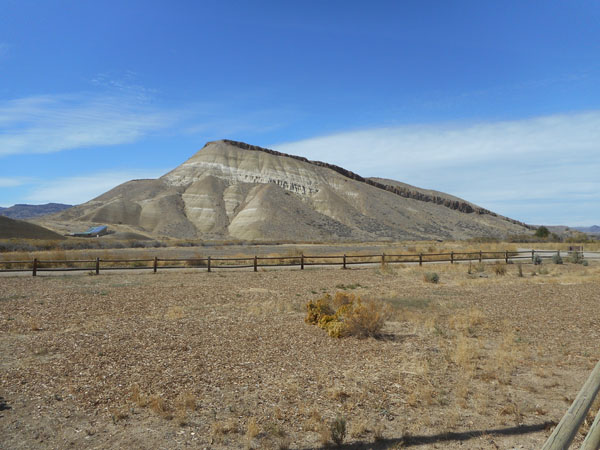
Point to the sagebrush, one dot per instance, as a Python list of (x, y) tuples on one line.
[(348, 315), (431, 277)]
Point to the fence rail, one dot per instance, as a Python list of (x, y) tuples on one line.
[(567, 429), (245, 262)]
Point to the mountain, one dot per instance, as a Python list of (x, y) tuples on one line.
[(30, 211), (594, 229), (11, 228), (232, 190)]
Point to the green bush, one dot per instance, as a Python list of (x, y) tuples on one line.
[(431, 277), (338, 430), (542, 232), (537, 260), (556, 259), (575, 257)]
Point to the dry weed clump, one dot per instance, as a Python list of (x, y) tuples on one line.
[(314, 422), (252, 429), (138, 398), (378, 432), (348, 315), (196, 261), (277, 437), (220, 429), (466, 354), (157, 404), (499, 269), (186, 401), (34, 325), (118, 414), (324, 434), (359, 429), (467, 323), (503, 360)]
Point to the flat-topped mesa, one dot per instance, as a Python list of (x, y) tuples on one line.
[(455, 204)]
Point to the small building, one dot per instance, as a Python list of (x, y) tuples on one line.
[(98, 231)]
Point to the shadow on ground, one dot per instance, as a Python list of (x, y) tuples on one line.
[(413, 441)]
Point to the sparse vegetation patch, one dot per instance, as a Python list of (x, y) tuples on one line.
[(223, 360), (347, 315)]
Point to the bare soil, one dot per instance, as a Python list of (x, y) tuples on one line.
[(225, 359)]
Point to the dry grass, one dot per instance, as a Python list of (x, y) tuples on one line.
[(137, 397), (230, 359), (222, 428), (359, 428), (500, 269), (175, 313), (252, 429), (187, 401), (157, 404)]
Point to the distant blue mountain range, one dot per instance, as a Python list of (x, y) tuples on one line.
[(30, 211), (594, 229)]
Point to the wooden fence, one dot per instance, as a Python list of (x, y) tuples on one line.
[(567, 429), (255, 262)]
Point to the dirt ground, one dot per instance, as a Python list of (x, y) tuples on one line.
[(225, 360)]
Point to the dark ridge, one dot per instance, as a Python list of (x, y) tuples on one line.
[(19, 229), (23, 211), (457, 205)]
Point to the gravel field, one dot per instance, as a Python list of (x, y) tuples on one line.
[(191, 359)]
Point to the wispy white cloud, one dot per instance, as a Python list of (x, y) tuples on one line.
[(80, 189), (12, 181), (45, 124), (125, 113), (552, 161), (126, 83)]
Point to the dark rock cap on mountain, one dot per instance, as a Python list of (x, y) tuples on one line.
[(232, 190)]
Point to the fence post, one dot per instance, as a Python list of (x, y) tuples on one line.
[(302, 261), (344, 260), (532, 255), (255, 263), (567, 428), (155, 266), (506, 256), (452, 257), (97, 266), (480, 256), (592, 440), (382, 260), (208, 264), (35, 261), (420, 259)]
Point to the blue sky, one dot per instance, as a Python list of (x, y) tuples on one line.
[(497, 102)]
